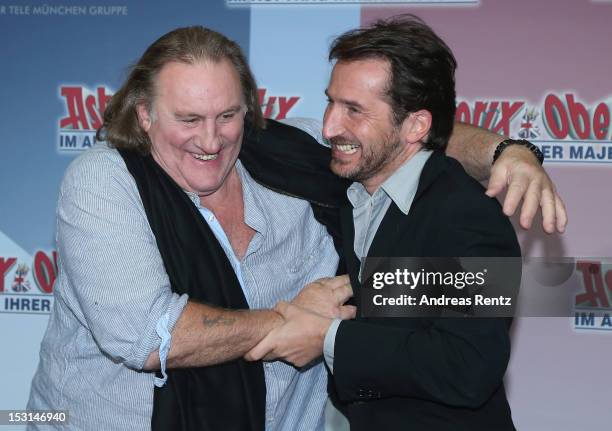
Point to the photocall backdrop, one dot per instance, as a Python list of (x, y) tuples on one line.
[(534, 69)]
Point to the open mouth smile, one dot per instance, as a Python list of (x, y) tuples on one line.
[(205, 157)]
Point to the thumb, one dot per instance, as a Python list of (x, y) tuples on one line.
[(497, 181), (264, 347), (348, 312)]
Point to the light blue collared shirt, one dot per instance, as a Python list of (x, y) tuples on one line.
[(289, 250), (112, 295), (369, 211)]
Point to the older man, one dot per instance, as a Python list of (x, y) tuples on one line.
[(172, 254)]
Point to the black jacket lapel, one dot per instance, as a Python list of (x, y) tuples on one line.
[(351, 260), (391, 235)]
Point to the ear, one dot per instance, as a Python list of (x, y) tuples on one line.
[(144, 116), (416, 126)]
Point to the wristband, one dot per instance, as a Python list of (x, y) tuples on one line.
[(507, 142)]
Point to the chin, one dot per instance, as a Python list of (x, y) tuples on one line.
[(343, 170), (204, 188)]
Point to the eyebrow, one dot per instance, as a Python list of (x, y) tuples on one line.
[(232, 108), (185, 115), (347, 102), (181, 114)]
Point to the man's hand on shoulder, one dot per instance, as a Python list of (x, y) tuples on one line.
[(519, 171)]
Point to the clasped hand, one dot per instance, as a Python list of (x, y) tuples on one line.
[(299, 339)]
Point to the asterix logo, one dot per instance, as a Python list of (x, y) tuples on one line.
[(20, 284), (84, 109), (528, 129), (17, 293), (565, 128), (593, 305), (276, 107)]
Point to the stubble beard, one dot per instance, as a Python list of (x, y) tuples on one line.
[(370, 163)]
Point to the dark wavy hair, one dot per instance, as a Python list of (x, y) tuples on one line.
[(422, 69), (188, 45)]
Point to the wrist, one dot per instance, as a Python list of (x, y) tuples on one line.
[(277, 319), (324, 328), (503, 145), (271, 320)]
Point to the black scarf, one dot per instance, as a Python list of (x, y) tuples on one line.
[(232, 395)]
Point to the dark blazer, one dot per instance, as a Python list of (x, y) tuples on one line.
[(428, 374)]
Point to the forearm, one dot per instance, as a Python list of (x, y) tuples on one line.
[(473, 147), (206, 335)]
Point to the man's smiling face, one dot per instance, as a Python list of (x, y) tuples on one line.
[(196, 123)]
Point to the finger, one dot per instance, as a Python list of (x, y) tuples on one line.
[(262, 349), (270, 356), (531, 203), (516, 190), (547, 202), (561, 214), (497, 181), (348, 312), (342, 293)]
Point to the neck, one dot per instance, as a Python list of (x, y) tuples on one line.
[(226, 195), (228, 206)]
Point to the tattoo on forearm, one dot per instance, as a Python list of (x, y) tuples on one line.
[(218, 321)]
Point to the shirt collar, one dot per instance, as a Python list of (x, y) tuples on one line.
[(194, 198), (255, 215), (359, 196), (400, 187)]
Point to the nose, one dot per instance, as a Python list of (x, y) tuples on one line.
[(208, 138), (332, 122)]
